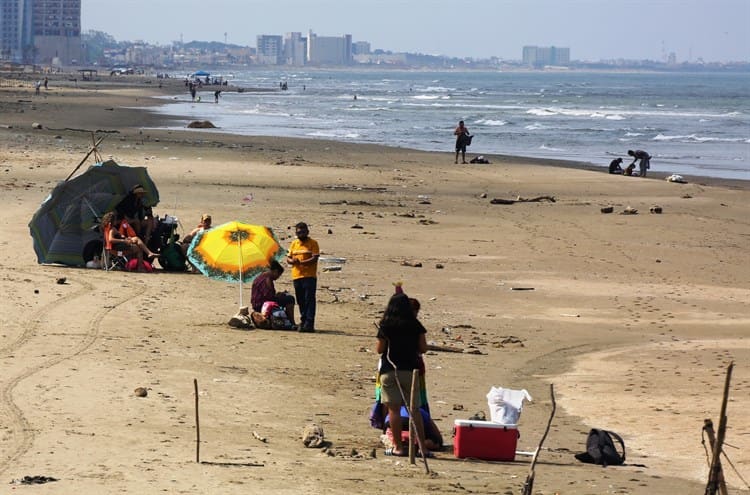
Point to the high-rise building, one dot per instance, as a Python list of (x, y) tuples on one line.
[(56, 31), (539, 56), (295, 49), (329, 50), (15, 30), (360, 48), (270, 49)]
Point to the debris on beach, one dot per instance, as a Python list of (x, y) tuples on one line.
[(33, 480), (655, 209), (60, 280), (313, 436), (608, 209), (519, 199), (201, 124), (629, 210), (140, 392), (415, 264)]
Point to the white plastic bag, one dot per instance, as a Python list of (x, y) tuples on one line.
[(506, 404)]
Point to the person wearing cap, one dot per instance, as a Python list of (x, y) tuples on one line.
[(303, 257), (132, 209)]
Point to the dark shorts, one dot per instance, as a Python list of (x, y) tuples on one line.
[(283, 299)]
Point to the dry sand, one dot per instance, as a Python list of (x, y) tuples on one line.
[(633, 318)]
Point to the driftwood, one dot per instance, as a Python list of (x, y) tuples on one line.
[(443, 348), (715, 472), (528, 486), (519, 199)]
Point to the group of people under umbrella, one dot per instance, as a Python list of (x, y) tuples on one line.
[(108, 210)]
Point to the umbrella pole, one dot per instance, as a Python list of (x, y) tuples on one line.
[(239, 240)]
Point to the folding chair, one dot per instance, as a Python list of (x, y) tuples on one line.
[(114, 259)]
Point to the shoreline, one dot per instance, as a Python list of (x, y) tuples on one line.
[(601, 283), (148, 97)]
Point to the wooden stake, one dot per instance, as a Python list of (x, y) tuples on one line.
[(197, 425), (715, 470), (708, 427), (92, 150), (412, 408), (528, 486)]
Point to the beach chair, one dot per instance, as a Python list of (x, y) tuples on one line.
[(115, 258)]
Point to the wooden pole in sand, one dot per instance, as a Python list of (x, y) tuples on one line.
[(715, 470), (708, 427), (197, 425), (412, 408), (93, 149), (528, 486)]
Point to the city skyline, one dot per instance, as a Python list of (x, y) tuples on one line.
[(594, 30)]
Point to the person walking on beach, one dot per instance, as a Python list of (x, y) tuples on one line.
[(216, 96), (645, 161), (462, 138), (303, 257), (401, 338)]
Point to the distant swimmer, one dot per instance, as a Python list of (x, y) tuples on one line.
[(355, 97)]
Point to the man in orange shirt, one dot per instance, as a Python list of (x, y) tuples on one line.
[(303, 256)]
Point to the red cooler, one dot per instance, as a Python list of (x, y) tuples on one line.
[(485, 440)]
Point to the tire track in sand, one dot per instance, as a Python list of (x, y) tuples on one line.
[(21, 433)]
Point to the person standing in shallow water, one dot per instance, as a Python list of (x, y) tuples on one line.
[(462, 135)]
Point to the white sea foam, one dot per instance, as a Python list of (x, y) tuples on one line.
[(633, 134), (491, 122), (550, 148), (438, 89), (541, 112), (696, 138), (536, 126)]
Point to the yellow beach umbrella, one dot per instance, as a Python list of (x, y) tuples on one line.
[(235, 252)]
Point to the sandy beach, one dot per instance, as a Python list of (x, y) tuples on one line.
[(633, 318)]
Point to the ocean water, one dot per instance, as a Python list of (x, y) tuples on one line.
[(691, 123)]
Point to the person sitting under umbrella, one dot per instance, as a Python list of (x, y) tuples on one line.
[(263, 290), (132, 209), (114, 238)]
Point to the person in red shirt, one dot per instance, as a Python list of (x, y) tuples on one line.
[(264, 290)]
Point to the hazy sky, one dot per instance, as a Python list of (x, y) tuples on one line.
[(715, 30)]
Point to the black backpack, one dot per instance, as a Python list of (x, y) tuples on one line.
[(171, 258), (600, 449)]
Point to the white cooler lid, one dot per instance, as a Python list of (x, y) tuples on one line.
[(483, 424)]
